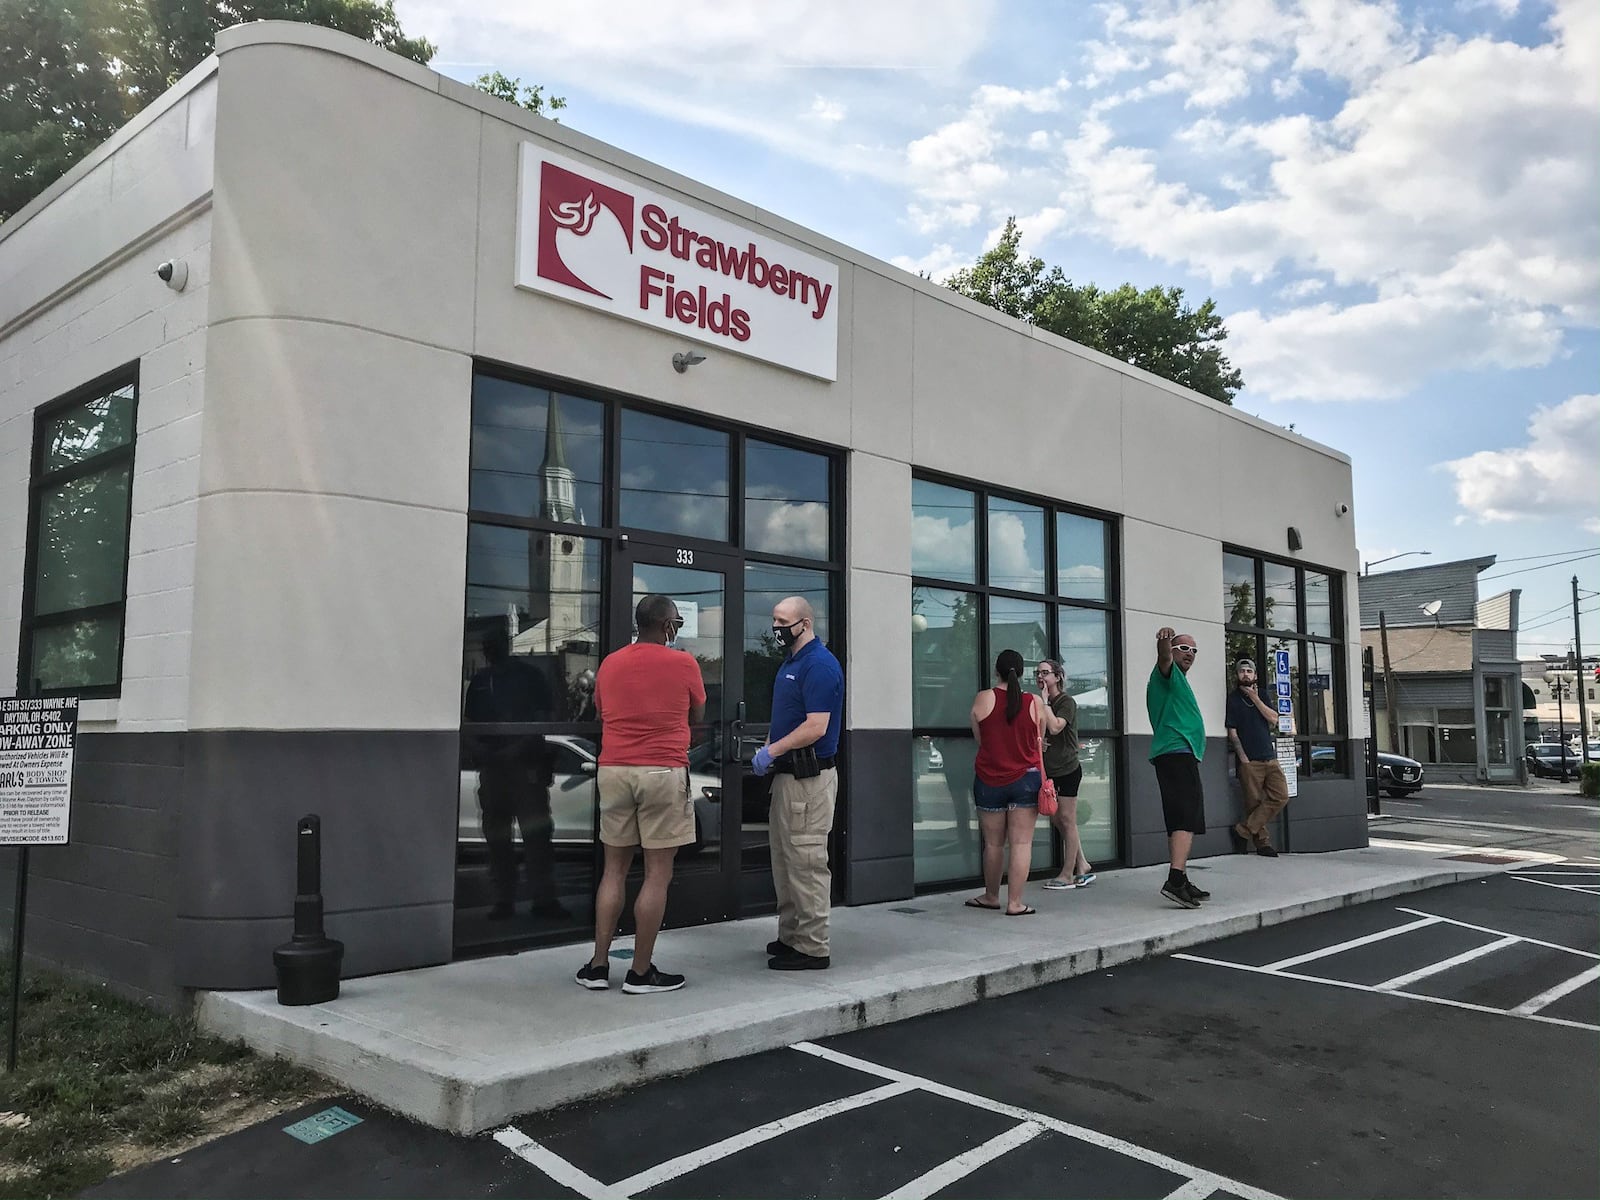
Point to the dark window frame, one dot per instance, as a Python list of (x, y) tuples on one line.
[(41, 482), (1339, 737)]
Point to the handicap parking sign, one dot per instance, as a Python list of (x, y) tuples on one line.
[(1283, 687)]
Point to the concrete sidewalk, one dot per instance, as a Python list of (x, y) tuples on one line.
[(470, 1045)]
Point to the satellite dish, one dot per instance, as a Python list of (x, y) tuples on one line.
[(1432, 607)]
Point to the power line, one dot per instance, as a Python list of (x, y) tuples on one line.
[(1559, 562), (1552, 554)]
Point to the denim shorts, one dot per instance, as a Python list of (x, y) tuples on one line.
[(1024, 793)]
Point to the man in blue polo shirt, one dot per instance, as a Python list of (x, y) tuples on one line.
[(807, 704)]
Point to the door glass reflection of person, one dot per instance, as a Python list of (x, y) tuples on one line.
[(514, 775)]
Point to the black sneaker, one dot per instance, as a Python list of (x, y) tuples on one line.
[(795, 960), (1266, 852), (780, 949), (596, 979), (653, 980), (1197, 893), (1177, 890)]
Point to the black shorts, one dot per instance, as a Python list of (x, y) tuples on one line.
[(1183, 800), (1067, 785)]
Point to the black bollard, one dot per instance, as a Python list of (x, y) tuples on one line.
[(308, 966)]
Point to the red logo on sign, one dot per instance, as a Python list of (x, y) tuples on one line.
[(571, 202)]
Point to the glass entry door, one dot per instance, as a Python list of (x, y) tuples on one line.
[(708, 590)]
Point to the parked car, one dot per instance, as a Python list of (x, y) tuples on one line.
[(572, 798), (1398, 775), (1551, 760)]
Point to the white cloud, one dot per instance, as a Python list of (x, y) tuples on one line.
[(1554, 474), (823, 109), (937, 263)]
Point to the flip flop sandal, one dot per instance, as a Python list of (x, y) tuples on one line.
[(1059, 885), (976, 903), (1022, 912), (1086, 880)]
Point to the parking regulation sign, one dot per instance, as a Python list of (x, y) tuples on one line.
[(37, 740)]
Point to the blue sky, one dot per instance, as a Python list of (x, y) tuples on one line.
[(1395, 206)]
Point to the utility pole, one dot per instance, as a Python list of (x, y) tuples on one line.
[(1583, 709), (1388, 686)]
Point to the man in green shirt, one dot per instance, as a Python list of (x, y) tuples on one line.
[(1177, 744)]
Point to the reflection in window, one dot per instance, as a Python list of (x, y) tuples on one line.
[(944, 540), (1319, 605), (94, 427), (535, 452), (1085, 638), (674, 477), (1018, 625), (1239, 590), (1279, 596), (82, 541), (1097, 805), (785, 501), (764, 586), (1322, 664), (1016, 546), (946, 846), (539, 592), (945, 671), (1080, 557)]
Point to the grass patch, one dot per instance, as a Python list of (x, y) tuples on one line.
[(106, 1083)]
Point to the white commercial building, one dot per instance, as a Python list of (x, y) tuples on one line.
[(343, 524)]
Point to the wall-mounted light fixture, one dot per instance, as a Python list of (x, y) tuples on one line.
[(1294, 539), (685, 359)]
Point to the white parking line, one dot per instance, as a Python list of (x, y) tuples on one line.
[(552, 1164), (962, 1165), (1588, 889), (706, 1155), (1410, 977), (1366, 987), (1081, 1133), (1571, 873), (1296, 960), (1501, 933), (1546, 998)]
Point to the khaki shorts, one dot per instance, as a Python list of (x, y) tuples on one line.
[(645, 806)]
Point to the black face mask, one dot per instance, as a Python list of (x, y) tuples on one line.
[(787, 635)]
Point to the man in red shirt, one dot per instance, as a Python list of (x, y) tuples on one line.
[(647, 695)]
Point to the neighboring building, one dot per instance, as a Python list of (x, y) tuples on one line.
[(1548, 718), (423, 419), (1457, 679)]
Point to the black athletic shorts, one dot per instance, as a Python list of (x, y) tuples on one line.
[(1183, 801), (1067, 785)]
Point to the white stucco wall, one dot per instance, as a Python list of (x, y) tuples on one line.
[(357, 273), (81, 298)]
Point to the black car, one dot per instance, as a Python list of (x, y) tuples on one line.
[(1398, 775), (1549, 760)]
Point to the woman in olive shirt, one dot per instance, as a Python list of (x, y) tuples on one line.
[(1061, 765)]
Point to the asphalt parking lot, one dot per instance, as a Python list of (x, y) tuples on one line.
[(1440, 1044)]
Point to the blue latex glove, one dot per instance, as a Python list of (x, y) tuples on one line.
[(762, 762)]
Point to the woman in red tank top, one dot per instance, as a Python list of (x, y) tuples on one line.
[(1006, 721)]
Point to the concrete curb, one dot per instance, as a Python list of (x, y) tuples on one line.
[(443, 1089)]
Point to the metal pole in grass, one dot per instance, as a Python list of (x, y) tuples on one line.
[(17, 913)]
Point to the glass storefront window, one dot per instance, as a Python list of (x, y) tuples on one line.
[(1016, 545), (674, 477), (1085, 639), (535, 597), (764, 586), (1319, 605), (944, 538), (86, 430), (1081, 557), (1097, 798), (785, 501), (536, 453), (945, 841), (945, 671), (1322, 668), (1239, 590), (1279, 596), (1019, 625), (82, 541)]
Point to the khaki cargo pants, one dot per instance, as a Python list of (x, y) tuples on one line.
[(1266, 791), (802, 816)]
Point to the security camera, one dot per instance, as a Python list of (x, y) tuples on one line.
[(174, 273), (1341, 509)]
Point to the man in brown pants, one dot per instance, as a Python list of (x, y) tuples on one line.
[(1250, 730)]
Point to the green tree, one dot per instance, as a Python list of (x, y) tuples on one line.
[(73, 71), (530, 96), (1153, 329)]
